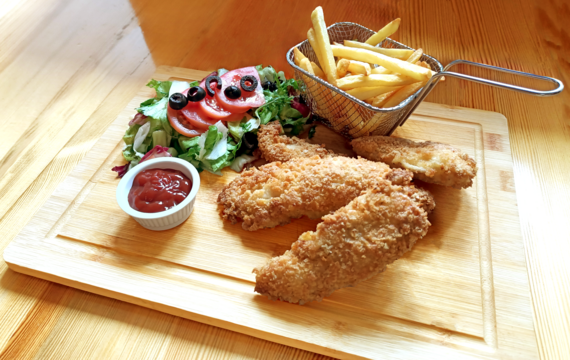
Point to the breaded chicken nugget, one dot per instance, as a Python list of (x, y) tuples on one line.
[(278, 192), (429, 161), (349, 246), (277, 147)]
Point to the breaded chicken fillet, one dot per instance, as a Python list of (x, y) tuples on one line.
[(278, 192), (349, 246), (277, 147), (429, 161)]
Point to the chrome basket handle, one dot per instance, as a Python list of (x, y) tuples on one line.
[(435, 79)]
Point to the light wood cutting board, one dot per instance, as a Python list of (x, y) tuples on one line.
[(462, 292)]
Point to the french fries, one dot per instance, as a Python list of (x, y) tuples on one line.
[(342, 67), (358, 67), (416, 55), (318, 71), (324, 43), (402, 94), (383, 33), (358, 81), (364, 93), (380, 100), (402, 54), (315, 45), (298, 56), (306, 65), (398, 66)]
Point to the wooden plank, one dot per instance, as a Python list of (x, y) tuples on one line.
[(467, 278)]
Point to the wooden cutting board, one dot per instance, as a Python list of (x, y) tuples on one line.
[(462, 292)]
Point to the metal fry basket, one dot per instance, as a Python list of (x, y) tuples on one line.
[(355, 118)]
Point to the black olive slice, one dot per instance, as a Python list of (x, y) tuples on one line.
[(177, 101), (252, 83), (211, 79), (196, 94), (266, 84), (272, 86), (250, 140), (232, 92)]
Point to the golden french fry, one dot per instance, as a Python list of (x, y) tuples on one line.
[(316, 47), (395, 65), (383, 33), (380, 100), (381, 71), (323, 41), (342, 68), (368, 92), (359, 67), (401, 54), (358, 81), (306, 65), (402, 94), (424, 65), (298, 56), (318, 71), (416, 56)]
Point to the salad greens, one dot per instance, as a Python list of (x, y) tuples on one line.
[(220, 146)]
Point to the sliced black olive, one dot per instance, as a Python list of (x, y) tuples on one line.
[(177, 101), (209, 80), (250, 140), (266, 84), (196, 94), (232, 92), (272, 86), (248, 79)]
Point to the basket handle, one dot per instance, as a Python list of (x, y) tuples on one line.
[(436, 77)]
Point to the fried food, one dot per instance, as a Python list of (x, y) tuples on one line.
[(277, 147), (429, 161), (278, 192), (349, 246)]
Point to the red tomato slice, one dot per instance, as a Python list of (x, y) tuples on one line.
[(211, 107), (181, 124), (234, 117), (247, 100), (196, 117)]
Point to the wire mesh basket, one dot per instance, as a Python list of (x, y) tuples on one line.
[(355, 118)]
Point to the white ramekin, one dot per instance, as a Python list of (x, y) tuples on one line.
[(170, 218)]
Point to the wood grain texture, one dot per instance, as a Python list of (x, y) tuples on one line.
[(39, 57), (466, 279)]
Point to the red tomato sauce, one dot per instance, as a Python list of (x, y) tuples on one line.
[(158, 190)]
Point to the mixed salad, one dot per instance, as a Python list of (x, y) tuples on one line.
[(213, 123)]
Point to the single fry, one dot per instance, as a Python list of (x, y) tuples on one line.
[(306, 65), (402, 94), (373, 80), (415, 56), (395, 65), (383, 33), (342, 68), (316, 47), (298, 56), (402, 54), (381, 71), (424, 65), (323, 41), (359, 67), (318, 71), (380, 100), (368, 92)]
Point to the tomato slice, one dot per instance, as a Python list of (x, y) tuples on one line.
[(211, 107), (181, 124), (247, 100), (196, 117)]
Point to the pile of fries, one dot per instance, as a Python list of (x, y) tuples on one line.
[(399, 73)]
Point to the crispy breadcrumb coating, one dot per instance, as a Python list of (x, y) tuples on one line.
[(429, 161), (277, 147), (278, 192), (349, 246)]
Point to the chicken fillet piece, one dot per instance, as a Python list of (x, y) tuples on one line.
[(277, 147), (429, 161), (278, 192), (349, 246)]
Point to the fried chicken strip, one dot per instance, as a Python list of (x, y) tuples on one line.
[(277, 147), (278, 192), (429, 161), (349, 246)]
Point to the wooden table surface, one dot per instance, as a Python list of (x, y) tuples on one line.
[(68, 67)]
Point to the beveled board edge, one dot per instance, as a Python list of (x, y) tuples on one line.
[(85, 172)]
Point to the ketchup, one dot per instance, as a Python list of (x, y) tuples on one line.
[(158, 190)]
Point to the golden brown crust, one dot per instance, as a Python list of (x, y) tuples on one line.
[(277, 147), (278, 192), (349, 246), (429, 161)]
